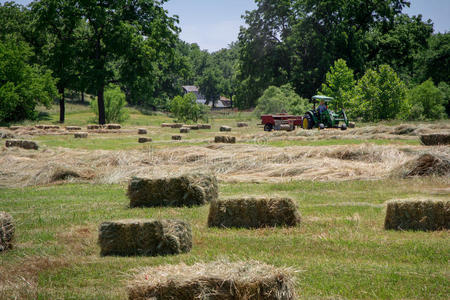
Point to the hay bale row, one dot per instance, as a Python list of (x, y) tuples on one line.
[(225, 128), (204, 126), (6, 231), (144, 237), (253, 213), (435, 139), (73, 128), (225, 139), (142, 131), (94, 127), (176, 137), (143, 140), (81, 135), (417, 214), (172, 125), (186, 190), (22, 144), (192, 127), (185, 130), (242, 124), (251, 280), (47, 127), (427, 164), (113, 126)]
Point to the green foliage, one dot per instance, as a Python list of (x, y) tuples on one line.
[(445, 90), (425, 102), (339, 84), (22, 86), (281, 100), (185, 108), (434, 62), (114, 105), (379, 95)]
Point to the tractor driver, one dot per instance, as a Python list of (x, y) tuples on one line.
[(322, 107)]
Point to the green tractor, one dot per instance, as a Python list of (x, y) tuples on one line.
[(322, 117)]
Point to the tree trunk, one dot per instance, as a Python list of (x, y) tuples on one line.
[(101, 106), (62, 106), (82, 96)]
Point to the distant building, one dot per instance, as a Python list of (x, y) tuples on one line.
[(221, 103)]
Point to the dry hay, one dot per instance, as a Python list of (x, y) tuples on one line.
[(221, 280), (176, 137), (22, 144), (225, 128), (73, 128), (63, 173), (113, 126), (143, 140), (225, 139), (52, 172), (435, 139), (427, 164), (142, 131), (186, 190), (14, 128), (204, 126), (242, 124), (6, 231), (185, 130), (81, 135), (253, 213), (145, 237), (418, 214), (6, 135)]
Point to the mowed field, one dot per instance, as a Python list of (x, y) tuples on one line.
[(340, 181)]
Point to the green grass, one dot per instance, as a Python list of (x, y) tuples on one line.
[(340, 250)]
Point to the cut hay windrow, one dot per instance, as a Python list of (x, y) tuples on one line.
[(185, 190), (427, 164), (253, 213), (29, 145), (221, 280), (6, 231), (225, 139), (418, 214), (145, 237), (435, 139)]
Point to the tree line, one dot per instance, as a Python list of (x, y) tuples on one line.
[(336, 47)]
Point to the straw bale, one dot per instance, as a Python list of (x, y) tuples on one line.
[(225, 128), (176, 137), (143, 140), (142, 131), (204, 126), (185, 190), (253, 213), (435, 139), (81, 135), (225, 139), (113, 126), (427, 164), (221, 280), (418, 214), (73, 128), (185, 130), (145, 237), (242, 124), (22, 144), (6, 231)]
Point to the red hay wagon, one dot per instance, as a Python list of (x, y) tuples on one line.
[(281, 122)]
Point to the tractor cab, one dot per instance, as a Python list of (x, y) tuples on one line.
[(322, 117)]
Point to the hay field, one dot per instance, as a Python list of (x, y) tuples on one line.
[(341, 181)]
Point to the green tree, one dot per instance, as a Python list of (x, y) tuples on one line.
[(280, 100), (22, 86), (379, 95), (114, 105), (425, 101), (209, 85), (434, 62), (339, 84), (445, 90), (185, 108)]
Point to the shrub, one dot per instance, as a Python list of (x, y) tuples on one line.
[(114, 105), (186, 108), (339, 84), (425, 101), (280, 100)]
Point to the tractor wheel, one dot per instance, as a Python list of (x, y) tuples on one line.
[(307, 122), (343, 127), (268, 127), (321, 126)]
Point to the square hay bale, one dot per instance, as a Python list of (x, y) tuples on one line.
[(176, 125), (81, 135), (94, 127), (185, 130), (142, 131), (225, 139), (176, 137), (145, 237), (427, 164), (113, 126), (204, 126), (50, 127), (418, 214), (253, 213), (185, 190), (143, 140), (435, 139), (166, 125), (351, 125), (221, 280), (242, 124), (22, 144), (6, 231), (73, 128), (225, 128)]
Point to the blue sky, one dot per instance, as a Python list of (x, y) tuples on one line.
[(214, 24)]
